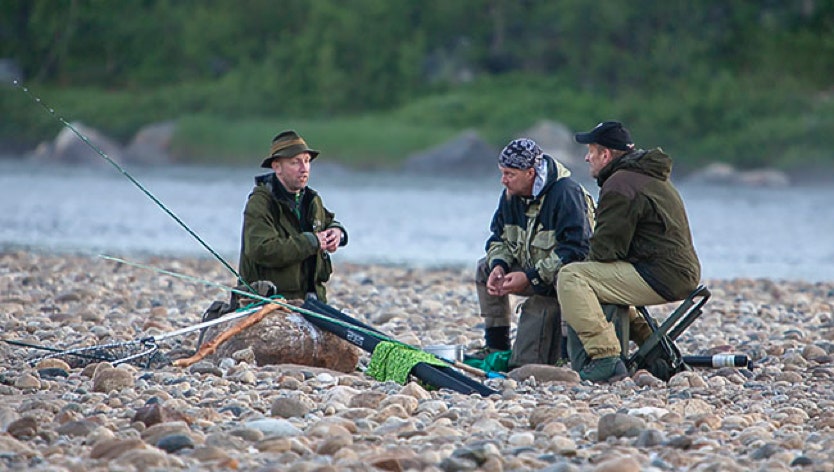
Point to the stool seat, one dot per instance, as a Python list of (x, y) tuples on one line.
[(659, 354)]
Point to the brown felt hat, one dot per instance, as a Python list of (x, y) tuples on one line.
[(287, 144)]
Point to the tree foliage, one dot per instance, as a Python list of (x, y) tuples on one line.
[(376, 53), (699, 67)]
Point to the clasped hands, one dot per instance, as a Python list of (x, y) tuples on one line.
[(500, 283), (329, 239)]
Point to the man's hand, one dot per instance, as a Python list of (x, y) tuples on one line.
[(329, 239), (500, 284), (515, 282), (495, 281)]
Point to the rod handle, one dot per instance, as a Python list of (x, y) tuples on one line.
[(718, 360)]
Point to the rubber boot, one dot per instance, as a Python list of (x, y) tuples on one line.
[(604, 369), (498, 338)]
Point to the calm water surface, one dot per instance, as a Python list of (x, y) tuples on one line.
[(783, 233)]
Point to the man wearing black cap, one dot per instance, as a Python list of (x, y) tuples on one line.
[(287, 232), (641, 251), (543, 222)]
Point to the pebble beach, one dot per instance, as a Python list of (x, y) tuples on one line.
[(231, 414)]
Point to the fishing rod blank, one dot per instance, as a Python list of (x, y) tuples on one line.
[(107, 158)]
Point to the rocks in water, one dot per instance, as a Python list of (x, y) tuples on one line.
[(151, 145), (558, 141), (462, 156), (726, 174), (68, 148)]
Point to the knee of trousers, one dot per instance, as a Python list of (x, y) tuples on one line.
[(574, 294), (570, 276), (481, 271), (492, 306)]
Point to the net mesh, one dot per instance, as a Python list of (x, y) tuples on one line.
[(142, 353)]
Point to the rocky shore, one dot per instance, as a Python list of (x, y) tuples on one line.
[(232, 414)]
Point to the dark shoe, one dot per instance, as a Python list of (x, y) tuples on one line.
[(605, 369), (498, 338)]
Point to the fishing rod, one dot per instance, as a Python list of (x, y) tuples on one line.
[(254, 296), (250, 295), (107, 158)]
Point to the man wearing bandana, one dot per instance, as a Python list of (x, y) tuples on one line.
[(543, 221)]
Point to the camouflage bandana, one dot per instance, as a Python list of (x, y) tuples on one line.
[(520, 154)]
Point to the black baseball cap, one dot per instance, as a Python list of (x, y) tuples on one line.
[(610, 134)]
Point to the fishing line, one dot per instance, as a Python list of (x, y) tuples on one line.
[(304, 311), (253, 296), (107, 158)]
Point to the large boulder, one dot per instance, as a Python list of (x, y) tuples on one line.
[(557, 140), (152, 144), (288, 338), (462, 156), (69, 148), (718, 173)]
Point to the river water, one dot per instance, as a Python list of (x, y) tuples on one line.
[(783, 233)]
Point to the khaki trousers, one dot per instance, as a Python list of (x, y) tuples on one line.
[(583, 286)]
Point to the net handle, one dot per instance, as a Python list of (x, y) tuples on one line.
[(205, 324)]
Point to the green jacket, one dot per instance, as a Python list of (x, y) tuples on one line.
[(541, 234), (278, 247), (641, 219)]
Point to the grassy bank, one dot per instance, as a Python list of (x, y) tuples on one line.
[(372, 141), (725, 119)]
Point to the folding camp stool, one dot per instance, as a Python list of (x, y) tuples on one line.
[(658, 354)]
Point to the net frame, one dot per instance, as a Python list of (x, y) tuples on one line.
[(142, 352)]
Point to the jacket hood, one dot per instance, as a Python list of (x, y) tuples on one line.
[(654, 163), (550, 171), (263, 179)]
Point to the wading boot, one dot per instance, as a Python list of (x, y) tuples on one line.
[(497, 339), (604, 369)]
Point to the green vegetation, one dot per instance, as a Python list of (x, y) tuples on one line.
[(743, 82), (359, 142)]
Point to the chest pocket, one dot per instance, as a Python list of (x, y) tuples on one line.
[(542, 246), (545, 240)]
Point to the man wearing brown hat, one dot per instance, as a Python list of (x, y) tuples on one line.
[(641, 251), (288, 234), (542, 224)]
